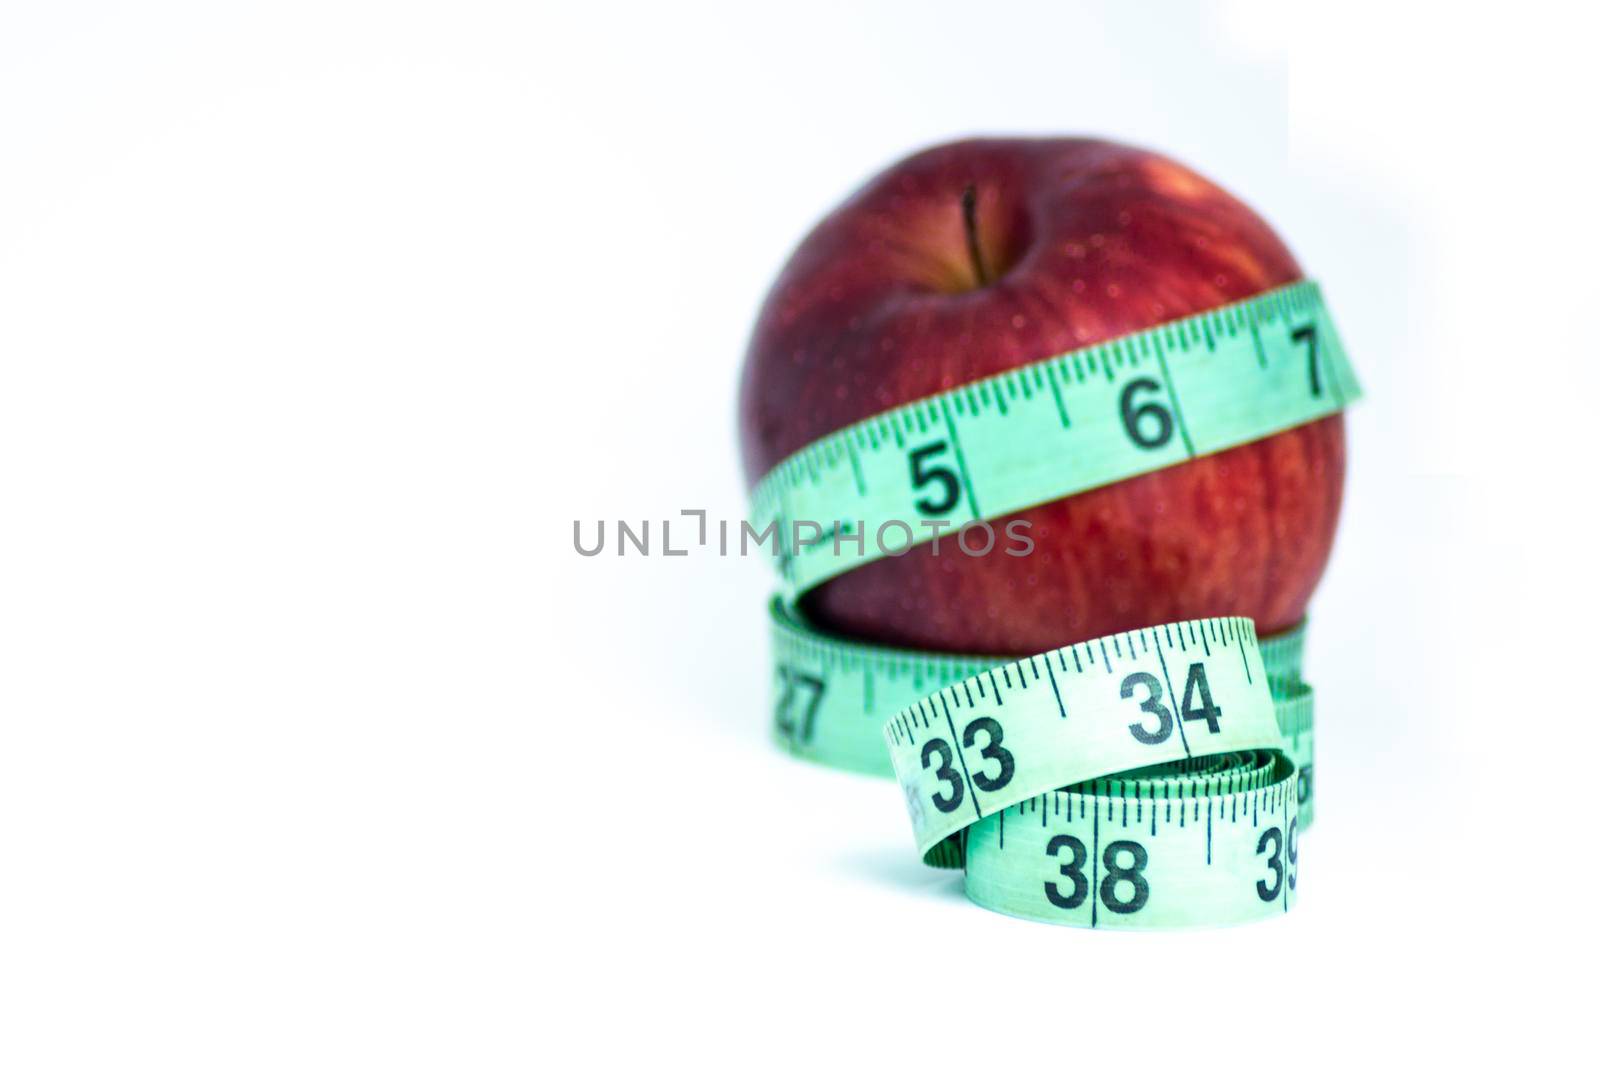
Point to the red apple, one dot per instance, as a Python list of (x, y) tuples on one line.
[(905, 291)]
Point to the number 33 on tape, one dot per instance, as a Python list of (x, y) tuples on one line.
[(1136, 780)]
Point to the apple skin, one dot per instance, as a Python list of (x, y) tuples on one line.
[(1081, 241)]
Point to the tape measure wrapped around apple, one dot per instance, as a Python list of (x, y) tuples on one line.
[(1120, 365)]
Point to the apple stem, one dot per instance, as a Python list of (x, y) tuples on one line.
[(969, 215)]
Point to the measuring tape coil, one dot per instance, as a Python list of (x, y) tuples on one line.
[(1138, 779)]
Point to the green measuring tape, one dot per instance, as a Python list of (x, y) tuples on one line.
[(1054, 428), (1031, 435)]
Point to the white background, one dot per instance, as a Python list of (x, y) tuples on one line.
[(320, 324)]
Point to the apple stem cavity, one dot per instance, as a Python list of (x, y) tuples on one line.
[(969, 215)]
